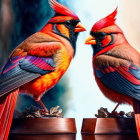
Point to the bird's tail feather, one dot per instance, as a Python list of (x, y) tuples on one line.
[(6, 114), (136, 107)]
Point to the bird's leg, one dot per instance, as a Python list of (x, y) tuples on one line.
[(115, 108), (113, 113), (43, 106)]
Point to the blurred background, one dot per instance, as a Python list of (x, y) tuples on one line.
[(77, 92)]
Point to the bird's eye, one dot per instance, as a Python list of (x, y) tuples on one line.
[(99, 35), (72, 22), (68, 22), (106, 40), (75, 22), (102, 35)]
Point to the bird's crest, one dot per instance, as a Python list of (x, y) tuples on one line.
[(104, 22), (61, 9)]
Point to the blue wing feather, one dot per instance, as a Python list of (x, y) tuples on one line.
[(116, 81), (135, 71), (21, 70), (37, 64)]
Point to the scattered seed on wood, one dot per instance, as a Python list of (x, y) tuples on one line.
[(104, 113), (35, 112)]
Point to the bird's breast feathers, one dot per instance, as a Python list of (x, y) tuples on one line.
[(47, 81)]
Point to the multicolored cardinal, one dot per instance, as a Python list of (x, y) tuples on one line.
[(38, 63), (116, 64)]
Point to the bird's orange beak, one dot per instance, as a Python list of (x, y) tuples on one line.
[(90, 40), (79, 28)]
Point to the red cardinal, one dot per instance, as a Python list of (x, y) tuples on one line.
[(116, 64), (38, 63)]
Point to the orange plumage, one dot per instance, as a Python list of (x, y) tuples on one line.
[(38, 63)]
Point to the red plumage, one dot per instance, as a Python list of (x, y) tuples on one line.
[(104, 22), (136, 108), (116, 64), (7, 110), (61, 9)]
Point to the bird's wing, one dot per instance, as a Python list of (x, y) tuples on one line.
[(22, 69), (125, 80)]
